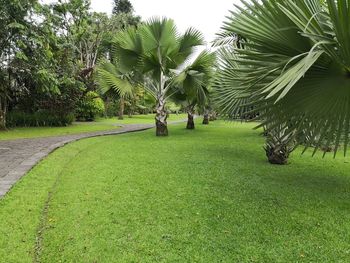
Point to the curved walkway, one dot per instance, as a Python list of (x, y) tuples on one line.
[(17, 157)]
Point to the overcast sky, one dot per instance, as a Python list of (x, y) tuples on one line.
[(205, 15)]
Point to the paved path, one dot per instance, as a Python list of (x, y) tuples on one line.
[(17, 157)]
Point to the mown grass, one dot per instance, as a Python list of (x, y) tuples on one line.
[(75, 128), (142, 119), (101, 124), (197, 196)]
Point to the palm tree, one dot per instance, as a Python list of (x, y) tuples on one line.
[(112, 80), (293, 68), (188, 105), (194, 83), (205, 117), (158, 51)]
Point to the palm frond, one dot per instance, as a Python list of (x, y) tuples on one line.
[(109, 78), (293, 69), (127, 49), (195, 79), (187, 43)]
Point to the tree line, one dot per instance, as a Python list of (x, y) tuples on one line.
[(48, 56)]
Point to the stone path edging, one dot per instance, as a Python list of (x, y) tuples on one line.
[(18, 157)]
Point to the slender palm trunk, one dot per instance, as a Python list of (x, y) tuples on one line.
[(190, 120), (121, 109), (161, 117)]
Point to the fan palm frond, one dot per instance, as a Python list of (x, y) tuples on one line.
[(110, 78), (293, 68), (195, 79)]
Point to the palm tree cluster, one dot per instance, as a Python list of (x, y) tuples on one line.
[(193, 86), (291, 68), (156, 56)]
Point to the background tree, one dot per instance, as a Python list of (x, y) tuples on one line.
[(157, 50), (194, 82), (13, 21), (49, 54), (122, 7), (113, 80)]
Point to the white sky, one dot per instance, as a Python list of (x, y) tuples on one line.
[(204, 15)]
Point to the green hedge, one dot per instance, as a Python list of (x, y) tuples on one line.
[(38, 119)]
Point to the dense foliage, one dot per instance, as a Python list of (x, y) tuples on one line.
[(48, 55), (89, 107), (122, 6), (38, 119)]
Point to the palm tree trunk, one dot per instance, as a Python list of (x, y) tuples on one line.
[(161, 117), (190, 121), (206, 118), (279, 145), (121, 109), (278, 155)]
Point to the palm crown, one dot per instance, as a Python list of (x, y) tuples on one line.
[(195, 80), (293, 68), (156, 47)]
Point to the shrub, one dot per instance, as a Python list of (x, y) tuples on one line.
[(89, 107), (173, 107), (112, 108), (38, 119)]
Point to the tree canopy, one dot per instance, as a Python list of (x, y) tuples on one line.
[(122, 6), (48, 54)]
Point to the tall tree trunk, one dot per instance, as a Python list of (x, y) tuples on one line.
[(190, 121), (2, 120), (3, 108), (121, 109), (206, 117), (161, 117)]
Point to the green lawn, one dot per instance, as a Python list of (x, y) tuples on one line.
[(196, 196), (35, 132), (143, 119), (79, 127)]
